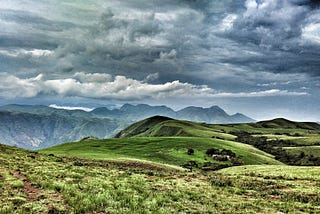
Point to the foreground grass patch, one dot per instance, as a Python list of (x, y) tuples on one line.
[(77, 185)]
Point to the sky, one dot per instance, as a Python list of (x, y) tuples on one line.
[(257, 57)]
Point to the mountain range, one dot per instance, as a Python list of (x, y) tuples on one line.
[(37, 126), (213, 114)]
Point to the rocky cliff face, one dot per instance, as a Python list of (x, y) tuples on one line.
[(33, 131)]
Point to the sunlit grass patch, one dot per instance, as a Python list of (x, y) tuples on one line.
[(80, 185)]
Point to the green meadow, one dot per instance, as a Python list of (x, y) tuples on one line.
[(167, 150), (33, 182)]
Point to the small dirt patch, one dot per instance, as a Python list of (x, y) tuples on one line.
[(35, 193), (32, 191)]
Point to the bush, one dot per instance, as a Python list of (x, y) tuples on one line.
[(77, 163), (191, 164), (212, 151), (228, 152), (190, 151)]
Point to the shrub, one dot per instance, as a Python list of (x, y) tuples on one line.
[(190, 151), (212, 151), (228, 152), (191, 164), (77, 163)]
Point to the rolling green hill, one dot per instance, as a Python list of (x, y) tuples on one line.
[(287, 124), (168, 150), (274, 136), (163, 126), (159, 126)]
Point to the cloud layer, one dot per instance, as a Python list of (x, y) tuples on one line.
[(176, 39), (136, 49), (104, 86)]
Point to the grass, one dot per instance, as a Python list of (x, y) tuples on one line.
[(142, 174), (168, 150), (81, 185), (295, 134), (283, 171), (309, 150), (290, 183), (303, 140), (161, 126)]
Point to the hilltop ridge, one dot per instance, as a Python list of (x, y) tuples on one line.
[(285, 123)]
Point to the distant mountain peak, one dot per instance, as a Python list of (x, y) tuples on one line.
[(213, 114), (215, 107), (100, 110), (126, 106), (143, 105)]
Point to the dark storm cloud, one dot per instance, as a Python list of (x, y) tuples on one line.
[(286, 33), (311, 3), (31, 40), (259, 57), (232, 46), (27, 18), (137, 42)]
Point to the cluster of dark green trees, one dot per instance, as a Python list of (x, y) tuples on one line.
[(274, 147), (226, 158)]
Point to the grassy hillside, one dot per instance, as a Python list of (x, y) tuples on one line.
[(284, 123), (272, 136), (142, 173), (169, 150), (273, 172), (37, 183), (159, 126), (312, 150)]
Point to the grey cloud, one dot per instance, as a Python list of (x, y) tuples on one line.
[(234, 47), (151, 77), (103, 86), (311, 3), (176, 39), (136, 43), (97, 86), (276, 29), (34, 21)]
